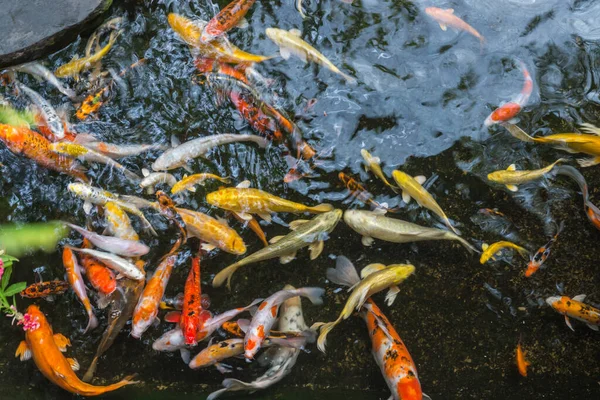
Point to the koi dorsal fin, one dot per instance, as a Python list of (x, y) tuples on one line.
[(484, 246), (420, 179), (370, 269), (511, 167), (580, 297), (450, 10), (295, 32)]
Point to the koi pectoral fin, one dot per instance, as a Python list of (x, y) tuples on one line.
[(512, 188), (73, 363), (287, 258), (23, 351), (367, 241), (443, 26), (61, 342), (593, 327), (316, 249), (568, 322), (390, 297), (405, 197)]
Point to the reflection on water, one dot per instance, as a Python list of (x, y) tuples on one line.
[(420, 103)]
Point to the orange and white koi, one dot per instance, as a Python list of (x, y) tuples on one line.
[(21, 140), (575, 308), (118, 222), (74, 277), (226, 19), (510, 110), (392, 356), (146, 309), (190, 314), (542, 254), (266, 315), (446, 18), (522, 363), (46, 349)]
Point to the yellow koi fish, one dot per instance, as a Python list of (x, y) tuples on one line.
[(490, 250), (375, 278), (290, 42), (188, 182), (569, 142), (220, 48), (511, 177), (245, 201), (411, 188), (373, 164), (118, 222), (75, 67)]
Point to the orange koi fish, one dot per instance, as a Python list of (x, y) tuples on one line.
[(76, 281), (253, 224), (359, 192), (21, 140), (575, 308), (542, 254), (45, 289), (98, 275), (46, 349), (522, 363), (227, 18), (392, 356), (233, 328), (147, 307), (446, 18), (510, 110), (192, 307)]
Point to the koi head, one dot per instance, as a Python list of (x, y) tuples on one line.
[(558, 303), (532, 268), (12, 137), (409, 387), (503, 114), (164, 200)]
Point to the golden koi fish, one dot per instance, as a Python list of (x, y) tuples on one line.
[(290, 42), (511, 177), (375, 278), (411, 188), (191, 31), (118, 222), (374, 164), (189, 182), (246, 201), (75, 67), (490, 250), (569, 142)]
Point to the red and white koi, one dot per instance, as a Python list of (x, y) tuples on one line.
[(509, 111), (542, 254), (265, 317)]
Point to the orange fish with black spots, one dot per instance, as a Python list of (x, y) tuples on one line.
[(575, 308)]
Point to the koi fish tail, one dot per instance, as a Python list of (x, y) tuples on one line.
[(147, 225), (449, 225), (518, 133), (325, 329), (321, 208), (523, 252), (314, 294), (92, 321), (232, 385), (344, 273), (128, 174), (467, 245), (216, 394), (225, 275), (128, 380), (349, 79)]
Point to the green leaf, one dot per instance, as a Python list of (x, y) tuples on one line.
[(25, 239), (6, 277), (15, 288), (6, 258)]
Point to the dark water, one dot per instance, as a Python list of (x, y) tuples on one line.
[(422, 97)]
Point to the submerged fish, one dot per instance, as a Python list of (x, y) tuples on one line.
[(281, 360), (152, 179), (116, 263), (49, 115), (122, 247), (179, 156), (229, 17), (37, 69), (46, 347), (76, 66), (122, 150), (266, 315), (510, 110), (359, 192), (543, 253), (592, 212), (76, 281), (189, 182), (304, 233), (446, 18), (191, 31), (244, 201), (45, 289), (575, 308), (511, 177), (412, 188), (118, 223), (569, 142), (191, 322), (490, 250), (392, 356), (522, 362), (375, 278), (372, 225), (374, 164), (290, 43)]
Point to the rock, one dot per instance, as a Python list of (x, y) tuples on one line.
[(31, 29)]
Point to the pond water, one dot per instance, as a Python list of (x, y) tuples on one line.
[(419, 105)]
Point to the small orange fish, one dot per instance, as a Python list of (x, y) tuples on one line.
[(510, 110), (45, 289), (98, 275), (575, 308), (227, 18), (522, 363), (76, 281), (359, 192), (542, 254), (46, 349), (254, 226), (21, 140)]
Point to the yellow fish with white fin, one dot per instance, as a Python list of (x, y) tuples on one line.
[(511, 177)]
